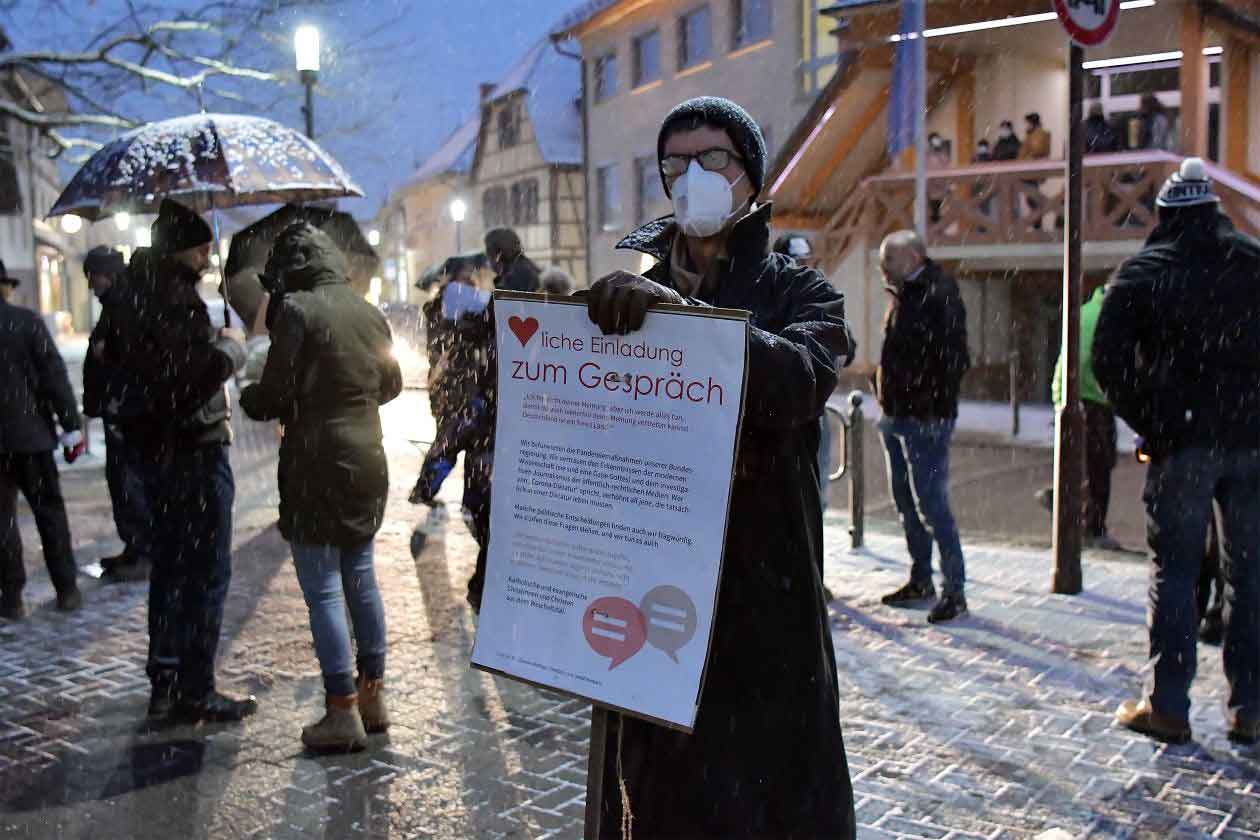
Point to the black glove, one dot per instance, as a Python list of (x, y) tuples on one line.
[(618, 302)]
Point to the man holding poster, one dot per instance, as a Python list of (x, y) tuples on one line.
[(765, 757)]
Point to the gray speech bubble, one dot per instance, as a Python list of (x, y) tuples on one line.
[(671, 619)]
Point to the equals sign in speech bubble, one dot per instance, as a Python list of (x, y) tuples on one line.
[(615, 628)]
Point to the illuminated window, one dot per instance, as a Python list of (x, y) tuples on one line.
[(819, 49)]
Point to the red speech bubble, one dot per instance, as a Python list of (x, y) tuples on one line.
[(615, 628)]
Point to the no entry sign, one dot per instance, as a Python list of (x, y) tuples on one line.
[(1088, 22)]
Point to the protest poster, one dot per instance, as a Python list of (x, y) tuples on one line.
[(613, 463)]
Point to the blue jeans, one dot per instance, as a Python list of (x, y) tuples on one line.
[(192, 493), (332, 577), (1178, 496), (917, 453)]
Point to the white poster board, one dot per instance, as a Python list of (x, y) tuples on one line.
[(613, 461)]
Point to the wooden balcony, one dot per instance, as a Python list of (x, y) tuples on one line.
[(988, 208)]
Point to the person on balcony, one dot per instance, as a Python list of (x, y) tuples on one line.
[(1036, 146), (920, 371), (1100, 137), (983, 153), (1177, 353), (1007, 146), (1155, 128)]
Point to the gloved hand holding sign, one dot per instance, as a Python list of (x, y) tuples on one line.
[(618, 302)]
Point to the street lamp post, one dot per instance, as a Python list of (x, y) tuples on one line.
[(306, 50), (458, 211)]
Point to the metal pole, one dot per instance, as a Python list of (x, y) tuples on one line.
[(459, 238), (309, 110), (595, 772), (1013, 369), (1069, 462), (920, 123), (857, 477)]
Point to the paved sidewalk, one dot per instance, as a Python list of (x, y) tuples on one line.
[(996, 727)]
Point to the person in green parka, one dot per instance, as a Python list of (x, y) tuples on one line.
[(1100, 434)]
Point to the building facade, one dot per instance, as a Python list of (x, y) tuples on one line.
[(999, 226), (640, 58)]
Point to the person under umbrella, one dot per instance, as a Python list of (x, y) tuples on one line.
[(184, 430), (329, 370)]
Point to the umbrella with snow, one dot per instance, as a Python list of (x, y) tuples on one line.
[(204, 161)]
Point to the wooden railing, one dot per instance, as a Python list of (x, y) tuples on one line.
[(1021, 203)]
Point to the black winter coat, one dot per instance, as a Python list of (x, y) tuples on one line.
[(170, 345), (111, 390), (767, 756), (1177, 346), (925, 354), (521, 276), (34, 386), (329, 370)]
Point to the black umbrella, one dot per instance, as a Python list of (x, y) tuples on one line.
[(250, 246)]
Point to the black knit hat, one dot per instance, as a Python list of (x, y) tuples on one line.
[(177, 228), (5, 278), (104, 260), (724, 114)]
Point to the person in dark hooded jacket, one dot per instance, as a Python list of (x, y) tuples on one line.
[(1177, 352), (514, 271), (329, 370), (179, 416), (766, 758)]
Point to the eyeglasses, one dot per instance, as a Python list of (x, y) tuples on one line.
[(711, 160)]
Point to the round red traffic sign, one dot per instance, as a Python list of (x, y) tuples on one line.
[(1088, 22)]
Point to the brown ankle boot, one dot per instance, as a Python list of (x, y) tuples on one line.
[(372, 705), (340, 730)]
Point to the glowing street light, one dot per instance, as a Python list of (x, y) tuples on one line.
[(306, 52), (459, 209), (71, 224), (122, 220)]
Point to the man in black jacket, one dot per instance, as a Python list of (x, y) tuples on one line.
[(514, 271), (767, 756), (920, 371), (106, 272), (33, 388), (183, 428), (1177, 351)]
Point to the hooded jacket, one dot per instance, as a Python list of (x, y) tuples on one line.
[(1091, 391), (34, 387), (329, 370), (169, 348), (767, 756), (924, 356), (1177, 349)]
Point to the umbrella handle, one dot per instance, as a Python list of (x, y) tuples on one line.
[(218, 252)]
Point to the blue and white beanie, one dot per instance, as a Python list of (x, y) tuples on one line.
[(1188, 187)]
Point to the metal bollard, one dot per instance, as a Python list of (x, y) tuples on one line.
[(853, 427), (857, 476), (1013, 369)]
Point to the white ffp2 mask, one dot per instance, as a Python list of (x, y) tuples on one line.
[(702, 201)]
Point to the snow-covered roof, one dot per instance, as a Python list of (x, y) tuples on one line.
[(580, 15), (455, 156), (552, 84)]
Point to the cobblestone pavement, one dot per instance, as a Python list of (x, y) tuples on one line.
[(996, 727)]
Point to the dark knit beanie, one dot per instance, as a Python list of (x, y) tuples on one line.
[(5, 278), (177, 228), (104, 260), (720, 113)]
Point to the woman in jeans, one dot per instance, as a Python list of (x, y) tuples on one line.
[(328, 371)]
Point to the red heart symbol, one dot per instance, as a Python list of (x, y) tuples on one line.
[(524, 329)]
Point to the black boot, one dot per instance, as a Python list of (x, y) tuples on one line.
[(911, 593), (215, 708), (161, 700), (12, 608), (950, 606)]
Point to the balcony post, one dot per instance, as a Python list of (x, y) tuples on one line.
[(1193, 83)]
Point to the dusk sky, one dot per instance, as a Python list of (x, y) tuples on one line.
[(398, 76)]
